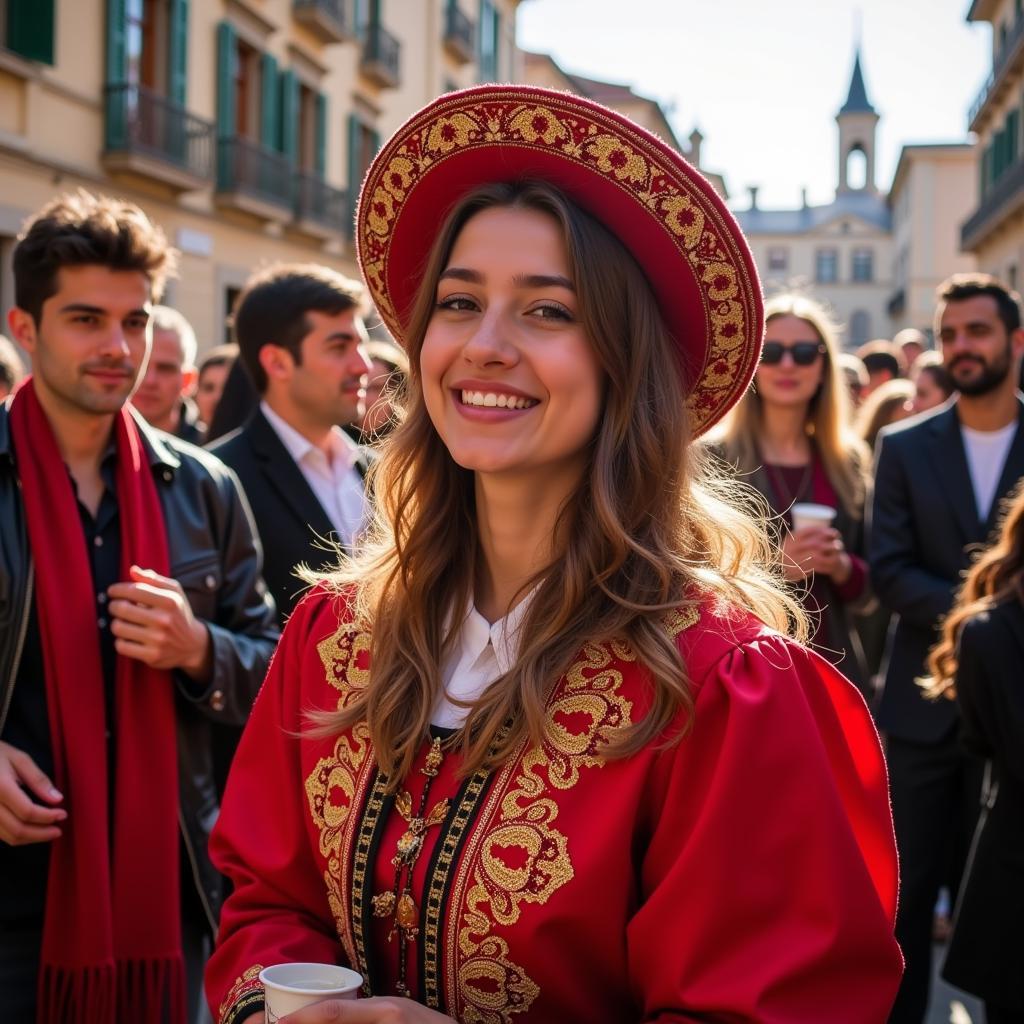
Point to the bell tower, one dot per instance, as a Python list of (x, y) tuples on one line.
[(857, 120)]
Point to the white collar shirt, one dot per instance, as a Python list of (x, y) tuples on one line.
[(482, 652), (331, 475)]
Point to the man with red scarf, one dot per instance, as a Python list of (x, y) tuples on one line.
[(132, 615)]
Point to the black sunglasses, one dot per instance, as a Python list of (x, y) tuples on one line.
[(804, 353)]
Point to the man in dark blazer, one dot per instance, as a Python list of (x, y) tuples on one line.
[(302, 340), (939, 482)]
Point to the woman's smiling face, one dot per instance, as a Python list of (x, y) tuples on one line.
[(510, 379)]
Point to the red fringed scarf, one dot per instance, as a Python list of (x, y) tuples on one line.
[(111, 947)]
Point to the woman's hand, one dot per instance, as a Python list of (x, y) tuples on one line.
[(816, 549), (378, 1010)]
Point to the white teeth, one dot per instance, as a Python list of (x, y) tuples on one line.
[(493, 400)]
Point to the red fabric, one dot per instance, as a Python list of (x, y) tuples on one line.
[(747, 873), (111, 946)]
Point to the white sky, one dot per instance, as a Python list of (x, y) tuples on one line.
[(764, 79)]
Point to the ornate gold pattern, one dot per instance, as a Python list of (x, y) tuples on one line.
[(335, 785), (598, 140), (585, 711), (245, 996)]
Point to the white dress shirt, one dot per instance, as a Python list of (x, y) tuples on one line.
[(332, 476), (482, 652), (986, 452)]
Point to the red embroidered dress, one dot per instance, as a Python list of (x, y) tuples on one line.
[(746, 873)]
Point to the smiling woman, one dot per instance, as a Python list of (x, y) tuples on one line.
[(553, 701)]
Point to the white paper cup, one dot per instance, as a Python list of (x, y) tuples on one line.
[(290, 987), (806, 514)]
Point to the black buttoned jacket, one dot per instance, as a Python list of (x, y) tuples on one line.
[(215, 556)]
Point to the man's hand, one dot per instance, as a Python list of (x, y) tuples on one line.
[(22, 820), (386, 1010), (152, 622)]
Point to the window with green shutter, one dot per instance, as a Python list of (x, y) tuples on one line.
[(487, 31), (30, 29)]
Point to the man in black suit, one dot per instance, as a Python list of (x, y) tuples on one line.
[(302, 340), (939, 482)]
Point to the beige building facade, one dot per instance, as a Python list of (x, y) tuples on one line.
[(242, 126), (931, 196), (994, 230)]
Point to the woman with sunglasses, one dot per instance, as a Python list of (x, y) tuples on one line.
[(789, 438), (536, 755), (978, 663)]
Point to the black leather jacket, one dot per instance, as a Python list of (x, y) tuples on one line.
[(215, 556)]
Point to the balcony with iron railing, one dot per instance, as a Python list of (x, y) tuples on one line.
[(1005, 197), (320, 209), (149, 135), (381, 59), (332, 21), (459, 34), (1007, 61), (254, 179)]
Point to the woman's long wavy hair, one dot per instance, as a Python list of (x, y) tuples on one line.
[(644, 531), (996, 576), (843, 454)]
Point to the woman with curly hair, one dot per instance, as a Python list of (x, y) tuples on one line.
[(544, 751), (978, 663)]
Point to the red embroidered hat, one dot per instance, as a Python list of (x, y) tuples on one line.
[(663, 211)]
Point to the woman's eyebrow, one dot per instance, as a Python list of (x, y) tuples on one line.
[(462, 274), (543, 281)]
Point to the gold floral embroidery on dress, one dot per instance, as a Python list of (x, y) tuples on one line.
[(728, 290), (523, 858), (333, 787), (243, 997)]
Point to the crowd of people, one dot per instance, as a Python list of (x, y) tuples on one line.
[(503, 556)]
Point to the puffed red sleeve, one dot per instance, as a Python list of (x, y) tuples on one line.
[(768, 890), (277, 911)]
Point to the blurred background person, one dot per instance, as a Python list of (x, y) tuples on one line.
[(389, 369), (978, 661), (890, 403), (214, 367), (789, 438), (932, 383), (164, 395), (884, 361), (855, 373), (237, 402), (12, 369), (911, 342)]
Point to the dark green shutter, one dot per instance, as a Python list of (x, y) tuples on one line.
[(320, 141), (117, 73), (496, 43), (355, 170), (289, 143), (227, 54), (177, 86), (30, 29)]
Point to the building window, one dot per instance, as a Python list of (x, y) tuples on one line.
[(860, 328), (146, 34), (1011, 276), (863, 265), (826, 266), (27, 28), (778, 259)]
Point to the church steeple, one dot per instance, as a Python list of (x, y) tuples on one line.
[(857, 120), (857, 101)]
